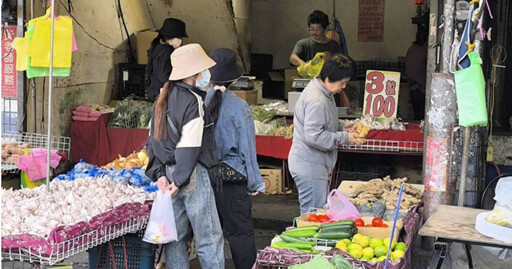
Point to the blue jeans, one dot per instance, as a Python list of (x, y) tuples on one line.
[(194, 205), (312, 192)]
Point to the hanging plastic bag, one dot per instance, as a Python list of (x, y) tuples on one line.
[(313, 67), (340, 208), (470, 87), (39, 47), (161, 227), (33, 71), (20, 44)]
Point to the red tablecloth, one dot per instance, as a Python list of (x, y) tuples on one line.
[(273, 146), (96, 144), (278, 147)]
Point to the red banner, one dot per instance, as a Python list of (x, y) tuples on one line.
[(9, 75)]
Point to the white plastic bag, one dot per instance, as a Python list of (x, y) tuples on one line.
[(502, 212), (161, 227)]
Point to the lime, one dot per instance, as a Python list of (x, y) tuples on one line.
[(401, 246), (380, 251)]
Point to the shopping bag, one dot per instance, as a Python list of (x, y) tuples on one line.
[(39, 47), (313, 67), (161, 228), (32, 71), (470, 88), (340, 208)]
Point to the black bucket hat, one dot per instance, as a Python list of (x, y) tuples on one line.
[(173, 28), (227, 69)]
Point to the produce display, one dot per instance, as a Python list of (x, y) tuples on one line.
[(37, 211), (135, 177), (134, 160), (131, 114), (12, 150), (384, 192), (367, 123), (261, 114)]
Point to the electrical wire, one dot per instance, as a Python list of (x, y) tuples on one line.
[(92, 37)]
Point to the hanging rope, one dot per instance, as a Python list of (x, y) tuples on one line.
[(498, 56)]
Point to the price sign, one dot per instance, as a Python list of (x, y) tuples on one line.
[(381, 94)]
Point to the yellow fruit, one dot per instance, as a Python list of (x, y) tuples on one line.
[(356, 238), (364, 241), (368, 253), (397, 254), (356, 253), (364, 259), (380, 251), (354, 246), (142, 156), (341, 245), (374, 260), (347, 241), (401, 246), (386, 243), (381, 258), (375, 242)]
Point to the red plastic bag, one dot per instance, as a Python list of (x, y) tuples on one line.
[(340, 208)]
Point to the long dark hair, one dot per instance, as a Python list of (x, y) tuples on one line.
[(212, 110), (160, 117)]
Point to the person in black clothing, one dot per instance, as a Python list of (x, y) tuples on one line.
[(170, 37)]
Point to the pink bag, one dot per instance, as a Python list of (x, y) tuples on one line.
[(340, 208)]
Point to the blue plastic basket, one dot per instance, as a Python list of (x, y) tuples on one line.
[(140, 254)]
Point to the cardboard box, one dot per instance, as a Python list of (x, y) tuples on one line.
[(273, 180), (142, 45), (289, 75), (251, 96)]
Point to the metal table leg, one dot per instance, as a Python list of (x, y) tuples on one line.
[(470, 259), (439, 255)]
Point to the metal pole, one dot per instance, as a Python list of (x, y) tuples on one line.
[(50, 89), (464, 167), (33, 83), (446, 46)]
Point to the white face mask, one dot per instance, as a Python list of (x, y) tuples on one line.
[(175, 42), (203, 83)]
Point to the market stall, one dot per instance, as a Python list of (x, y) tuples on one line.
[(78, 220), (353, 237), (98, 144)]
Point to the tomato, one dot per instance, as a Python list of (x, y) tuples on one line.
[(377, 222), (368, 225), (323, 218), (313, 217), (384, 225), (359, 223)]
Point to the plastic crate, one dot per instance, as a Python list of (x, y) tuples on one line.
[(132, 80), (140, 254)]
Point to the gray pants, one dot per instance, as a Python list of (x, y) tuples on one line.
[(312, 192), (194, 205)]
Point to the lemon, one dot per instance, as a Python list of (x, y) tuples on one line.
[(386, 243), (341, 245), (368, 253), (354, 246), (347, 241), (374, 260), (381, 258), (375, 242), (356, 253), (397, 254)]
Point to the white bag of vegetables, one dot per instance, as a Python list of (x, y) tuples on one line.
[(161, 228)]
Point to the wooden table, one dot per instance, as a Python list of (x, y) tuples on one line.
[(455, 224)]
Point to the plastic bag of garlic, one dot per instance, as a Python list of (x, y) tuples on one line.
[(37, 211)]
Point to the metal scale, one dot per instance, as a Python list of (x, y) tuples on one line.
[(300, 83), (244, 83)]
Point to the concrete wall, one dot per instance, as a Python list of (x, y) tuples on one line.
[(277, 25), (94, 70)]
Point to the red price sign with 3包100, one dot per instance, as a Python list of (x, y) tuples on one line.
[(381, 94)]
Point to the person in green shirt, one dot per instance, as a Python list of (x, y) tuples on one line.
[(305, 49)]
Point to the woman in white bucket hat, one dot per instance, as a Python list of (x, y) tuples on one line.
[(179, 159)]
